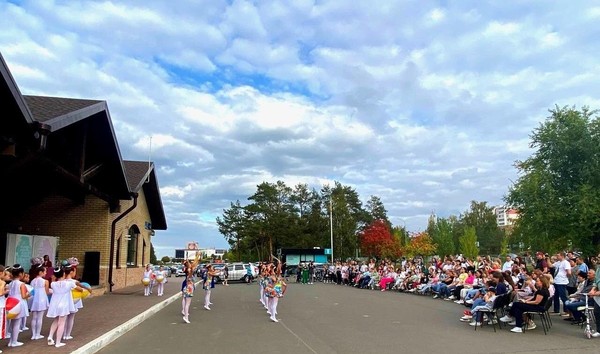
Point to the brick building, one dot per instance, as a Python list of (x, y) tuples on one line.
[(66, 191)]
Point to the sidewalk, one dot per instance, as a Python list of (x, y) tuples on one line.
[(100, 315)]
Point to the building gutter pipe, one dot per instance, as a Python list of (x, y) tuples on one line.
[(113, 228)]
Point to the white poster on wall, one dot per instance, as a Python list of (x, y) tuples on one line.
[(44, 245), (21, 248)]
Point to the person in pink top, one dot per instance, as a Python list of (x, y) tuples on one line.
[(387, 278)]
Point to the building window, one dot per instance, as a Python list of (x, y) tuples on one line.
[(132, 246), (118, 262)]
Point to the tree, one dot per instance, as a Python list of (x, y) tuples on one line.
[(165, 259), (468, 243), (153, 259), (443, 237), (376, 210), (558, 190), (420, 245), (482, 218), (232, 226), (375, 238)]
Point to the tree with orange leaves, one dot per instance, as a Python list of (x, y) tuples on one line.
[(420, 244)]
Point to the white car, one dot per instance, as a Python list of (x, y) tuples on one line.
[(239, 271), (179, 272)]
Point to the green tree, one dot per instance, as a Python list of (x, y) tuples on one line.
[(468, 243), (231, 226), (165, 259), (153, 259), (558, 190), (482, 218), (376, 210), (442, 237)]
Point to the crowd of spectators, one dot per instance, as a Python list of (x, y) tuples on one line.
[(531, 283)]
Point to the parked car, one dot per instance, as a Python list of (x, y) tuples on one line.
[(179, 272), (239, 271)]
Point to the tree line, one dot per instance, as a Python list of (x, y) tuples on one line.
[(557, 196)]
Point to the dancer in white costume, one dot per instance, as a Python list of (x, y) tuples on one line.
[(147, 275), (61, 305), (70, 274), (18, 290), (161, 279), (40, 302)]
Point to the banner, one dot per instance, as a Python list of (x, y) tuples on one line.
[(21, 248)]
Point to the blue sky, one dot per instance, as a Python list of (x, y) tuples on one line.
[(426, 104)]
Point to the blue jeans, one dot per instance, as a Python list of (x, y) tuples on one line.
[(573, 308), (478, 302), (560, 294)]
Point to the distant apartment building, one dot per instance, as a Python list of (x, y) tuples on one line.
[(505, 216)]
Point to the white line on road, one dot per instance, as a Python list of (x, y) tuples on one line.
[(297, 336)]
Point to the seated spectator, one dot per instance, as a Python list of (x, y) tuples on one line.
[(515, 315), (489, 298), (586, 283)]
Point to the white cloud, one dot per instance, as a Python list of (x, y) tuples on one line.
[(427, 107)]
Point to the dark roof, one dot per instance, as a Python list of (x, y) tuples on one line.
[(136, 172), (141, 175), (59, 112)]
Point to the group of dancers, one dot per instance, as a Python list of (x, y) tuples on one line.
[(152, 278), (30, 295), (188, 287), (271, 283), (272, 288)]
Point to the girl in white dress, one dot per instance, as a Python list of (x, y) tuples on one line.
[(61, 305), (18, 290), (70, 273), (161, 278), (40, 301), (148, 275)]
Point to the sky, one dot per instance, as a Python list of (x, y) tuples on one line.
[(425, 104)]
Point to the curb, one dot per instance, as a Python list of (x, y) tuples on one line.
[(97, 344)]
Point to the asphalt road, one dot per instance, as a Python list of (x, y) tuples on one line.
[(324, 318)]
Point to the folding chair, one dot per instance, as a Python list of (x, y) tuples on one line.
[(499, 303), (544, 316)]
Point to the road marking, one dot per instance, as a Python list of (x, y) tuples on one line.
[(298, 337)]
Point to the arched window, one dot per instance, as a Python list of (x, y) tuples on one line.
[(132, 246)]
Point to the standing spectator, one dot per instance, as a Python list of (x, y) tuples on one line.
[(49, 269), (562, 271), (540, 262), (225, 276), (311, 272)]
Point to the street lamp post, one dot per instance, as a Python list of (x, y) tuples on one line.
[(331, 225)]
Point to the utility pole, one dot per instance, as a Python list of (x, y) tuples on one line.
[(331, 224)]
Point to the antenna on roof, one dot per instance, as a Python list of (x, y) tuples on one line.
[(149, 159)]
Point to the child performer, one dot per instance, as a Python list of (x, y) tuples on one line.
[(188, 287), (279, 289), (147, 275), (209, 283), (3, 291), (161, 277), (18, 290), (70, 273), (61, 305), (40, 302)]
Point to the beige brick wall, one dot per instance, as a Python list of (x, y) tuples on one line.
[(87, 227)]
